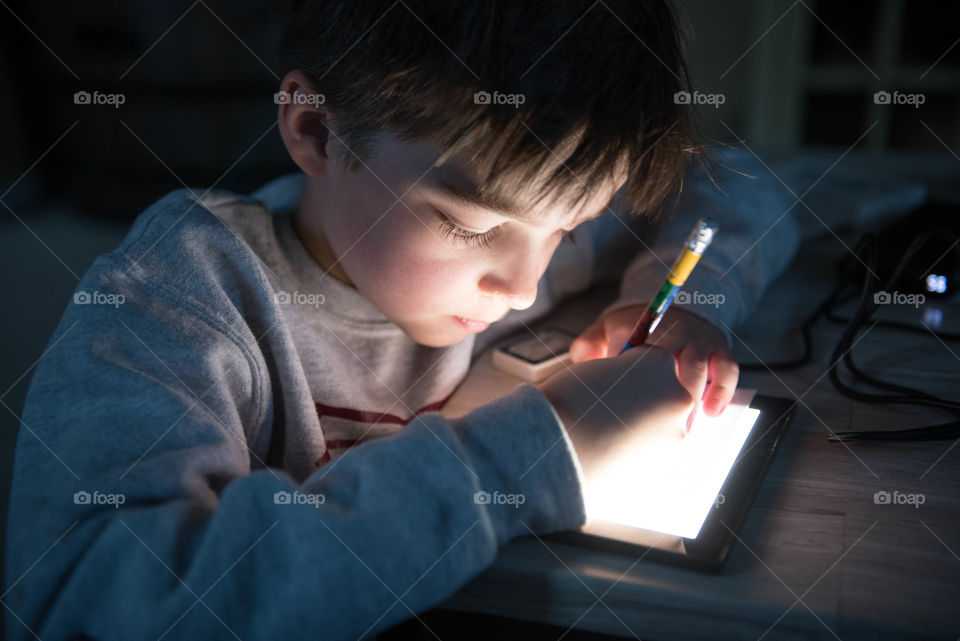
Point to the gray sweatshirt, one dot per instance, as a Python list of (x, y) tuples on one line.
[(220, 441)]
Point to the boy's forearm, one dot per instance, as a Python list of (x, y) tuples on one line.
[(756, 240), (399, 517), (519, 446)]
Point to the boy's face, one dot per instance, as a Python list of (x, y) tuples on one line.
[(436, 264)]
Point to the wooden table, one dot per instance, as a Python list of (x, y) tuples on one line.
[(817, 557)]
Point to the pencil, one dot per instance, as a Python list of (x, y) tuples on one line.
[(697, 243)]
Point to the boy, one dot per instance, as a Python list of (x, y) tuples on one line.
[(243, 444)]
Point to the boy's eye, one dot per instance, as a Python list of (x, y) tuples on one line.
[(449, 229), (463, 237)]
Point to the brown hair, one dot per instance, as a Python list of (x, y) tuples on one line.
[(597, 81)]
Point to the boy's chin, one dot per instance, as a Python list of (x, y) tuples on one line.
[(436, 334)]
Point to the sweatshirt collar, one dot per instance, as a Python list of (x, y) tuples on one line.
[(281, 196)]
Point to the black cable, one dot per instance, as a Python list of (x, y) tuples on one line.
[(865, 309), (805, 328), (923, 331), (929, 433), (867, 252), (914, 247)]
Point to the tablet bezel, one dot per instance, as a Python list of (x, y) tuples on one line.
[(708, 551)]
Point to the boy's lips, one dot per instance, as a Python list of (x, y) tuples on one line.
[(471, 325)]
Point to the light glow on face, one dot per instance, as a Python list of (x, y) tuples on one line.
[(412, 237), (671, 486)]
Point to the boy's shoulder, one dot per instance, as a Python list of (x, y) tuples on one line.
[(193, 229), (207, 220), (204, 246)]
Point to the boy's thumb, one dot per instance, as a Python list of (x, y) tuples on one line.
[(592, 343)]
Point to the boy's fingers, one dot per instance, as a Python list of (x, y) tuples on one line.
[(592, 343), (724, 373), (693, 369), (616, 338)]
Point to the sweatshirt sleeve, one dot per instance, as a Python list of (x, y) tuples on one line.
[(135, 510), (756, 241)]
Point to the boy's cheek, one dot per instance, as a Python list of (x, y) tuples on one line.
[(409, 272), (416, 286)]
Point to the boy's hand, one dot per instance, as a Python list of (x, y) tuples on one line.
[(700, 349), (641, 401)]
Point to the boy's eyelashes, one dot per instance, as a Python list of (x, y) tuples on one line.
[(463, 237), (466, 238)]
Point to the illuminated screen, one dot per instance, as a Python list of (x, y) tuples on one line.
[(670, 487)]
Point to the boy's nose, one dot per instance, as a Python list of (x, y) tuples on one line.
[(514, 272), (516, 290)]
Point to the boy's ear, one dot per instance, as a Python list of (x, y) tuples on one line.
[(303, 117)]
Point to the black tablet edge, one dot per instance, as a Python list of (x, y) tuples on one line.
[(724, 521)]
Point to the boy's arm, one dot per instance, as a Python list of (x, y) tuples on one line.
[(147, 407), (756, 241)]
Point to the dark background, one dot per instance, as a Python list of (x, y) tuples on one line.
[(198, 81)]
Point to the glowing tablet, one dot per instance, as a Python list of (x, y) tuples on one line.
[(671, 486), (682, 502)]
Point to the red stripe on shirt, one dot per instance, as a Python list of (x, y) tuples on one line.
[(363, 416)]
